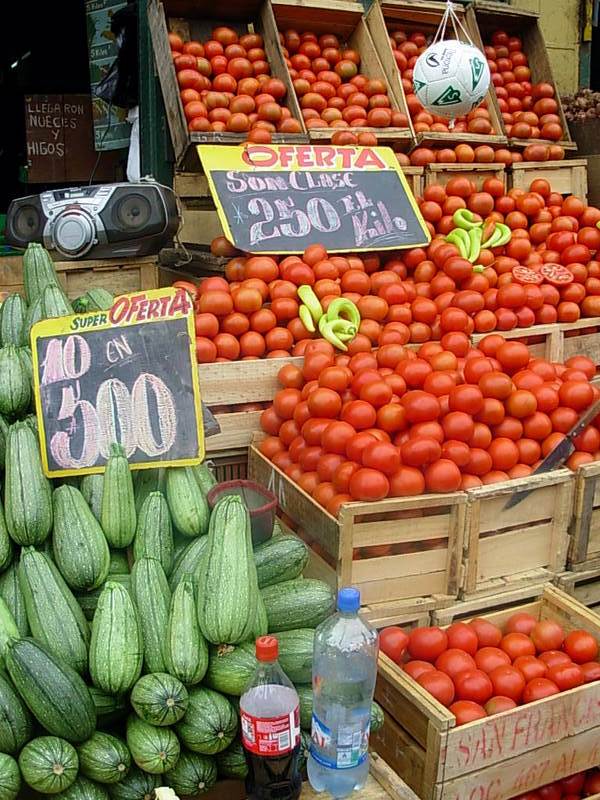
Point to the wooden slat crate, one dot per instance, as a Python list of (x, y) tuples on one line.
[(582, 338), (416, 179), (119, 276), (505, 548), (566, 177), (478, 173), (500, 756), (228, 466), (486, 16), (584, 586), (198, 20), (465, 610), (345, 20), (386, 16), (200, 221), (544, 341), (424, 534), (584, 549)]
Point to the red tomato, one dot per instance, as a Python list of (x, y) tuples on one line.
[(490, 658), (454, 661), (369, 484), (467, 711), (427, 644), (573, 784), (591, 671), (581, 647), (488, 634), (439, 685), (547, 635), (417, 668), (462, 636), (496, 705), (552, 657), (566, 676), (517, 644), (381, 456), (539, 688), (393, 642), (521, 622), (508, 682), (531, 667), (474, 685)]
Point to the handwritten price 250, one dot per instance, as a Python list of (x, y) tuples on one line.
[(117, 416)]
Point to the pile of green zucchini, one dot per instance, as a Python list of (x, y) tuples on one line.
[(128, 612)]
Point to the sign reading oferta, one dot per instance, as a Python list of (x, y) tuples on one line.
[(281, 198)]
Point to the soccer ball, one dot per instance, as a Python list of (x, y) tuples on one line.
[(451, 78)]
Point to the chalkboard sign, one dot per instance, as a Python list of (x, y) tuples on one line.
[(281, 198), (126, 375)]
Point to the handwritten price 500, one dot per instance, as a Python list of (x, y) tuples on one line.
[(117, 416)]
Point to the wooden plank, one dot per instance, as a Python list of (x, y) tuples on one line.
[(404, 587), (228, 383), (466, 609), (497, 555), (440, 174), (565, 177), (237, 430), (191, 185), (417, 529)]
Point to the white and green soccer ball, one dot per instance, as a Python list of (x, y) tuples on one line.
[(451, 78)]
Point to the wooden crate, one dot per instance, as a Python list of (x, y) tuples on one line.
[(198, 19), (345, 20), (441, 173), (386, 16), (228, 466), (506, 548), (583, 585), (566, 177), (416, 179), (486, 16), (229, 387), (584, 549), (117, 275), (200, 220), (424, 533), (582, 338), (501, 756), (465, 610), (544, 341)]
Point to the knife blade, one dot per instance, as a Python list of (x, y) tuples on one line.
[(560, 453)]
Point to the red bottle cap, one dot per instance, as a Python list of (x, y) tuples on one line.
[(267, 648)]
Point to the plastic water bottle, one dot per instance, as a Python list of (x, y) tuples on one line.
[(344, 673), (270, 717)]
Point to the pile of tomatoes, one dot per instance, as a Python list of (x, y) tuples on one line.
[(482, 154), (332, 90), (448, 417), (575, 787), (529, 110), (477, 669), (407, 47), (225, 85)]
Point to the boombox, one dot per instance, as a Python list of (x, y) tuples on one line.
[(106, 221)]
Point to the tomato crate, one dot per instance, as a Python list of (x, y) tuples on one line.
[(486, 16), (583, 585), (543, 341), (392, 550), (465, 610), (565, 177), (584, 549), (200, 220), (236, 392), (505, 548), (500, 756), (386, 17), (416, 179), (582, 338), (193, 19), (440, 174), (345, 20)]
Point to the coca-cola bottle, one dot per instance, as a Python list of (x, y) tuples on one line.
[(270, 715)]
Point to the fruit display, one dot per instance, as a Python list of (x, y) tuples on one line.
[(396, 422), (225, 84), (407, 47), (529, 109), (331, 87), (128, 613), (545, 271), (464, 153), (477, 669), (576, 787)]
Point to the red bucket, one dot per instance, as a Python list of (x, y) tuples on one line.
[(261, 504)]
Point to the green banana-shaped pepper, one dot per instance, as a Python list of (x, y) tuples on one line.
[(306, 318), (311, 301), (460, 239), (474, 244), (463, 218), (492, 241), (506, 234), (327, 332), (342, 306)]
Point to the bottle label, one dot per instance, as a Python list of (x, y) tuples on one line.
[(349, 749), (272, 736)]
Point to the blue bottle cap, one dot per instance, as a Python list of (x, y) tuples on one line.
[(348, 599)]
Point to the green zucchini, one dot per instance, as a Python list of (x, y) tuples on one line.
[(118, 516), (54, 693), (12, 320), (137, 785), (185, 649), (377, 717), (231, 763), (154, 532), (88, 601), (95, 299), (119, 563), (109, 707), (10, 778), (104, 758), (3, 438), (116, 649), (187, 504), (147, 481), (296, 654), (155, 750), (302, 603), (55, 618), (152, 597), (49, 764), (27, 492), (193, 774), (5, 542), (34, 314), (92, 487), (15, 383), (8, 630), (281, 558), (10, 592), (84, 789), (305, 740), (227, 585), (38, 271), (204, 478), (159, 699), (187, 561), (80, 547), (231, 667), (31, 420), (54, 303), (305, 696), (210, 724), (16, 723), (261, 624)]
